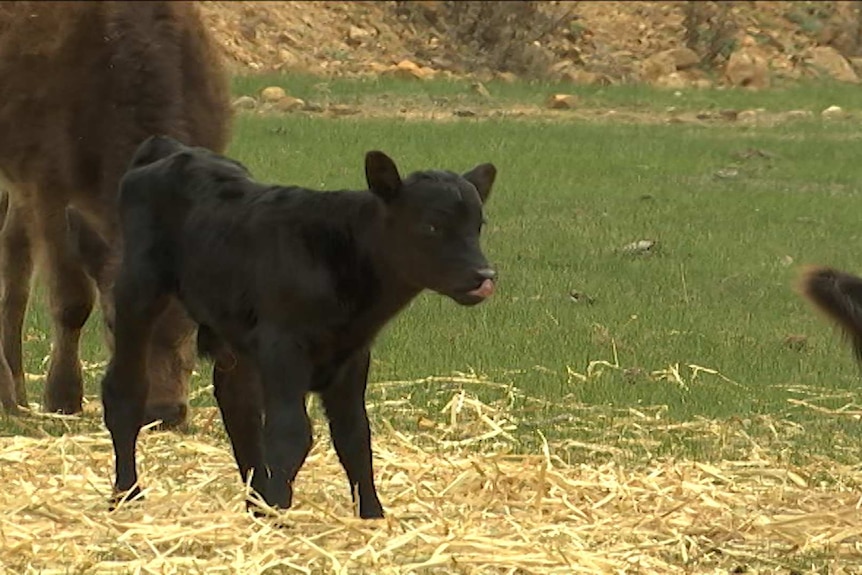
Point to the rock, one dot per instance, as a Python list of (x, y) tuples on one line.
[(729, 115), (272, 94), (586, 78), (795, 342), (313, 107), (568, 71), (507, 77), (288, 60), (408, 69), (244, 103), (479, 88), (748, 69), (799, 114), (562, 102), (663, 64), (856, 63), (832, 112), (827, 60), (342, 110), (657, 66), (702, 83), (747, 116), (726, 173), (672, 81), (684, 58), (640, 247), (289, 104), (357, 36)]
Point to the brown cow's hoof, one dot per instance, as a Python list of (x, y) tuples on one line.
[(172, 415), (63, 404)]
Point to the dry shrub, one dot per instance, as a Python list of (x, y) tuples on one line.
[(493, 35), (710, 30)]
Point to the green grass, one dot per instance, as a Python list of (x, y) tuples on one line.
[(383, 91), (717, 293)]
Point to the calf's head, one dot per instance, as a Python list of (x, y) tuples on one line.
[(432, 225), (171, 356)]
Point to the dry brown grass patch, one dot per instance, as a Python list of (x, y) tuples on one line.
[(451, 508)]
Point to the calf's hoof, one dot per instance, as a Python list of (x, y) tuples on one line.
[(119, 497), (372, 512), (172, 415)]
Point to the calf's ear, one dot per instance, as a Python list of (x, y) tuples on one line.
[(482, 176), (382, 175), (92, 250)]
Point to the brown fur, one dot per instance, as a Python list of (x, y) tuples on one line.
[(838, 295), (81, 85)]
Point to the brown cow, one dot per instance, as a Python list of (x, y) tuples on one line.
[(81, 85)]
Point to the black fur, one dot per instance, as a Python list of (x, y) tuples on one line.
[(289, 287), (839, 296)]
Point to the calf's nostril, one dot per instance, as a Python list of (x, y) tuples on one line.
[(487, 274)]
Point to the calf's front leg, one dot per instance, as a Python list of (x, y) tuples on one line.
[(344, 402), (285, 373)]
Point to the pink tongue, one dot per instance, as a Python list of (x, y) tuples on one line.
[(484, 290)]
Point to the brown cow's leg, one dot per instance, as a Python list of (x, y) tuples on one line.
[(7, 388), (71, 297), (172, 358), (16, 268)]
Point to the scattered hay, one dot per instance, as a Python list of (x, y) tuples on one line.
[(451, 509)]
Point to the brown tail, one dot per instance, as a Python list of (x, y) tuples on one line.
[(838, 295)]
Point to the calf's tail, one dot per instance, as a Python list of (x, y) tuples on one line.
[(838, 295)]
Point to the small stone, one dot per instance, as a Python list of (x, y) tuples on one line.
[(580, 297), (747, 68), (507, 77), (357, 35), (562, 102), (832, 112), (795, 342), (726, 173), (480, 89), (799, 114), (342, 110), (272, 94), (747, 116), (673, 81), (410, 70), (830, 62), (244, 103), (639, 247), (289, 104)]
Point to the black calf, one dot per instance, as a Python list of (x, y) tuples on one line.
[(289, 287)]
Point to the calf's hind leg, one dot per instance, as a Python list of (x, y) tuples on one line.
[(139, 299)]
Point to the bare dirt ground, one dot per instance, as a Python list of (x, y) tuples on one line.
[(609, 40)]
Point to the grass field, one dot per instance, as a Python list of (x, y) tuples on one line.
[(682, 352)]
